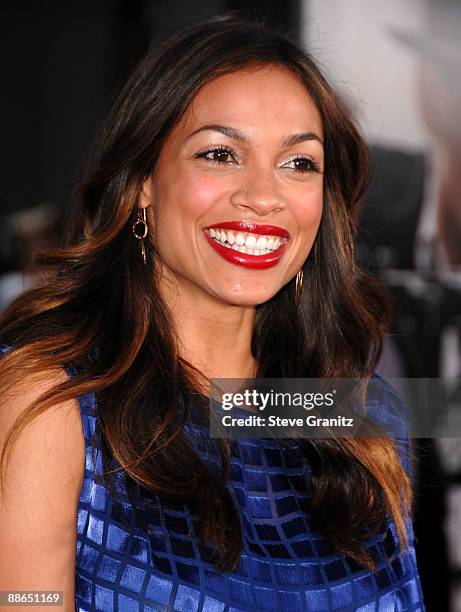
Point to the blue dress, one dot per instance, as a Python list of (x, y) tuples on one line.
[(285, 564)]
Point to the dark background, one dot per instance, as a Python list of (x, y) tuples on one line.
[(61, 65)]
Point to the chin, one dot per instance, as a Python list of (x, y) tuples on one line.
[(249, 298)]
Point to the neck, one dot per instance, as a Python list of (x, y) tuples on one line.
[(213, 336)]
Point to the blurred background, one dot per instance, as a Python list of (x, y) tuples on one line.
[(397, 66)]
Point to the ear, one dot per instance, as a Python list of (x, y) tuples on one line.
[(146, 200), (146, 196)]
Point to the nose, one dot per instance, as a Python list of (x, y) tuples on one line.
[(258, 191)]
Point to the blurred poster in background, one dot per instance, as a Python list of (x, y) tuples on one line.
[(398, 65)]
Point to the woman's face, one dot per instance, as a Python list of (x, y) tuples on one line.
[(242, 170)]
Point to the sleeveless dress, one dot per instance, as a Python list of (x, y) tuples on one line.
[(285, 564)]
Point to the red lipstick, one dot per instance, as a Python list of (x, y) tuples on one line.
[(256, 262), (254, 228)]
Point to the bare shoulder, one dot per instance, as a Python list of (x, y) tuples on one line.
[(42, 483), (54, 435)]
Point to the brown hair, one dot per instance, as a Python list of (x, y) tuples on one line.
[(102, 312)]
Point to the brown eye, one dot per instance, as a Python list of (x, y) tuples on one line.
[(303, 165), (218, 155)]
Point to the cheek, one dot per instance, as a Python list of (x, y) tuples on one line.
[(184, 204), (309, 212), (181, 203)]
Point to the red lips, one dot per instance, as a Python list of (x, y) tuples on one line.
[(248, 226), (256, 262)]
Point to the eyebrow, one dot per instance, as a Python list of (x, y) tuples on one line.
[(236, 134)]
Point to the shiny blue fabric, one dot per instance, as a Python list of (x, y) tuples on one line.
[(285, 564)]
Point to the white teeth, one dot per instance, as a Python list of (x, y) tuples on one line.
[(245, 242), (261, 242), (250, 241)]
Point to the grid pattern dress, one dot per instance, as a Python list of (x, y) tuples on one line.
[(285, 564)]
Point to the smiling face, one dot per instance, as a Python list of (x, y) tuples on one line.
[(242, 170)]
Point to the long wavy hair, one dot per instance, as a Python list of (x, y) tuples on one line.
[(100, 308)]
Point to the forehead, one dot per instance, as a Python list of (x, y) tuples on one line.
[(270, 97)]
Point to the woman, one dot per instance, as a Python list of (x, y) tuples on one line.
[(225, 140)]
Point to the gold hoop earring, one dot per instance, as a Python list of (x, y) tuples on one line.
[(140, 231), (299, 286)]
